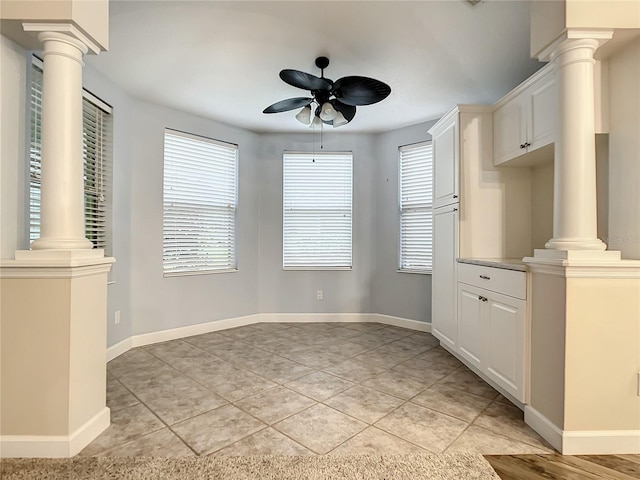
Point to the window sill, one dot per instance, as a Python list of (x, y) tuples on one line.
[(328, 269), (418, 272), (203, 272)]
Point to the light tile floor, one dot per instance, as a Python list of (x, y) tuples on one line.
[(305, 388)]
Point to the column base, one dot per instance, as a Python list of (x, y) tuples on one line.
[(44, 243), (594, 244)]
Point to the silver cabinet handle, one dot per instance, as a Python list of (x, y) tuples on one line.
[(484, 277)]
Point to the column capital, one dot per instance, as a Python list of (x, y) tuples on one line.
[(65, 30), (571, 38)]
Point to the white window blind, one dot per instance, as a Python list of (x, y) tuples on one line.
[(96, 150), (200, 201), (317, 210), (416, 215)]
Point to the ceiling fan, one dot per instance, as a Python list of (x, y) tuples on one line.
[(335, 102)]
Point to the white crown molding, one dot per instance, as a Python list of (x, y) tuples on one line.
[(546, 70), (66, 28), (602, 36), (55, 446)]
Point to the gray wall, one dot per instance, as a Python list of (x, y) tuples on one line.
[(160, 303), (295, 291), (406, 295), (147, 301), (119, 288)]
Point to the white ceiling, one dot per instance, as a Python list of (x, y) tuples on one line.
[(221, 60)]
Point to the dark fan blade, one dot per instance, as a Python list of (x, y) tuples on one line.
[(360, 90), (288, 104), (306, 81), (348, 111)]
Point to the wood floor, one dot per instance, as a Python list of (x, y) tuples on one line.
[(566, 467)]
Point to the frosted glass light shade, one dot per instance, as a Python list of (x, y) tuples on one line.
[(339, 120), (327, 113), (316, 122), (304, 115)]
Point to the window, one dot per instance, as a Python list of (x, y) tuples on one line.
[(200, 201), (96, 150), (416, 216), (317, 206)]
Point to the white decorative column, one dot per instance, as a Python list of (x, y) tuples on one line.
[(53, 313), (576, 285), (62, 188), (574, 209)]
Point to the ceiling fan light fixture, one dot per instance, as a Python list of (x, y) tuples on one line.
[(304, 115), (316, 122), (333, 103), (339, 120), (328, 113)]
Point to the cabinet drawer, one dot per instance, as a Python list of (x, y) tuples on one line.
[(506, 282)]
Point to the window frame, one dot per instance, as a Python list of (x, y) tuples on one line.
[(317, 266), (425, 207), (232, 267)]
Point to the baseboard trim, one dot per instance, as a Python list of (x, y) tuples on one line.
[(402, 322), (119, 348), (601, 442), (583, 442), (176, 333), (54, 446), (198, 329), (315, 317), (545, 427)]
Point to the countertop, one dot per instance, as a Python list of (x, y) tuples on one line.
[(504, 263)]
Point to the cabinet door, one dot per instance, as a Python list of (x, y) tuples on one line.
[(470, 324), (542, 112), (505, 339), (445, 166), (444, 324), (509, 130)]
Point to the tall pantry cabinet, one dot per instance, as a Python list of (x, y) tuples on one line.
[(480, 211)]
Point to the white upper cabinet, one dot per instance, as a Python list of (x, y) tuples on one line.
[(446, 165), (524, 120)]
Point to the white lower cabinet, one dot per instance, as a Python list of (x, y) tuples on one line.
[(492, 333)]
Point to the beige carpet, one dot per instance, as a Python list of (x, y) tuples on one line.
[(352, 467)]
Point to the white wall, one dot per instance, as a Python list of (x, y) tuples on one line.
[(159, 303), (397, 294), (295, 291), (13, 91), (624, 151)]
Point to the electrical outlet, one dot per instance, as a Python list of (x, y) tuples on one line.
[(319, 295), (117, 317)]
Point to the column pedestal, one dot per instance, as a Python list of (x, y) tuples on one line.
[(53, 352)]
